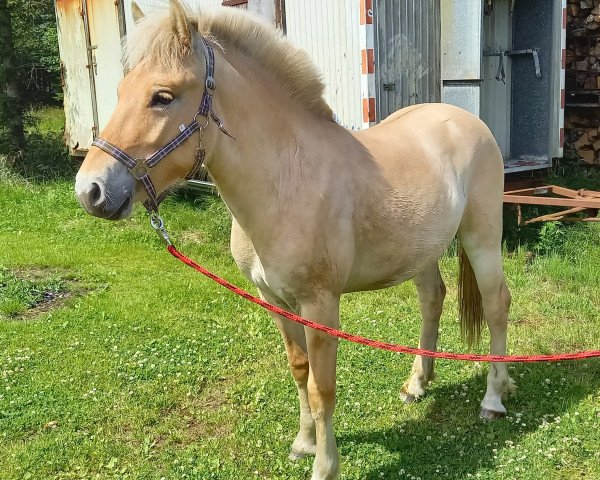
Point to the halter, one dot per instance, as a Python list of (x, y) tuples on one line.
[(140, 168)]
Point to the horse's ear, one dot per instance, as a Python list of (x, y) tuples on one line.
[(181, 23), (136, 12)]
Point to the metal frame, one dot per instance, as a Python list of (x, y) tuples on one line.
[(577, 201), (91, 65)]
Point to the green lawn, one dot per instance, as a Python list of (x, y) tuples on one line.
[(157, 373)]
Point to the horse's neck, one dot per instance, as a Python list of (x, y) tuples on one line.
[(258, 175)]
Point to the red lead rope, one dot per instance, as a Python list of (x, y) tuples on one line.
[(377, 344)]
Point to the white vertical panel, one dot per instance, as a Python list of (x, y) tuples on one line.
[(461, 46), (105, 38), (496, 94), (329, 32), (76, 80)]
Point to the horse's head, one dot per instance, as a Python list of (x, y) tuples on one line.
[(160, 93)]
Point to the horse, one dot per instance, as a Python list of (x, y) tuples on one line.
[(317, 210)]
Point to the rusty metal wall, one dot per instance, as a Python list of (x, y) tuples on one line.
[(407, 53), (79, 115)]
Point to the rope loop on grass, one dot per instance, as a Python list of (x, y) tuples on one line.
[(376, 343)]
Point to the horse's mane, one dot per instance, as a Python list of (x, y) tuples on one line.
[(154, 41)]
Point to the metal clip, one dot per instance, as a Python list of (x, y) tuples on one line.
[(529, 51), (500, 74), (200, 154), (157, 224)]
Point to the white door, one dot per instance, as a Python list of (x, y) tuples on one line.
[(105, 28)]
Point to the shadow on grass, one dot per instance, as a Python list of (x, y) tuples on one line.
[(452, 442), (46, 159)]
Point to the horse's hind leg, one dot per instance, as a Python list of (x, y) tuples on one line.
[(294, 340), (481, 239), (431, 291)]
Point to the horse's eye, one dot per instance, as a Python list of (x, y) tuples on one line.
[(161, 98)]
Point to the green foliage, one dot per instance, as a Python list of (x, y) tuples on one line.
[(45, 157), (36, 50), (33, 70), (551, 236)]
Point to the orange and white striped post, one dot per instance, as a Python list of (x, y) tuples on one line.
[(367, 44)]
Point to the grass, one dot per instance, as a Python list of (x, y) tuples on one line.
[(45, 156), (158, 373), (21, 291), (162, 374)]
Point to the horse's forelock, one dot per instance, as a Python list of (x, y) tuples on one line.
[(155, 42)]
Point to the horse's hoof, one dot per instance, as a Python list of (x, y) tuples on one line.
[(408, 398), (487, 414), (295, 456)]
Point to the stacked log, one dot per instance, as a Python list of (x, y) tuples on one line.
[(582, 62), (582, 56), (583, 15), (583, 132)]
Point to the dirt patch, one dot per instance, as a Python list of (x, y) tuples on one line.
[(197, 418), (28, 292), (192, 236)]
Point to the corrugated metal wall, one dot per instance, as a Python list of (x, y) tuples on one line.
[(329, 32), (407, 53)]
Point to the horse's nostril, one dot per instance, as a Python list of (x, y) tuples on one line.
[(96, 195)]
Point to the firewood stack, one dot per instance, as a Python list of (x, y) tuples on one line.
[(583, 132), (583, 15), (582, 59)]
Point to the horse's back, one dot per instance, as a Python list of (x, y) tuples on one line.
[(427, 129), (433, 161), (436, 147)]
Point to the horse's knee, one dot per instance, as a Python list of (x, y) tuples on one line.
[(298, 362), (321, 398)]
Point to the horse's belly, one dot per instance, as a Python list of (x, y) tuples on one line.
[(371, 272), (400, 253)]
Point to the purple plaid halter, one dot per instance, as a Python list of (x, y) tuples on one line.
[(140, 167)]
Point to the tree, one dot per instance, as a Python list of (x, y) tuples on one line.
[(36, 44), (11, 104)]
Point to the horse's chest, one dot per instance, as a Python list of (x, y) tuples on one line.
[(269, 281)]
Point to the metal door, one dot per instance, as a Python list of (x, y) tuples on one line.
[(407, 53)]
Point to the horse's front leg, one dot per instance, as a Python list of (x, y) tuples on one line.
[(322, 353), (295, 347)]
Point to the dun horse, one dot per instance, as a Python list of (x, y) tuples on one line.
[(317, 210)]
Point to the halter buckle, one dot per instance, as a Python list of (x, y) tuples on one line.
[(140, 169), (210, 83)]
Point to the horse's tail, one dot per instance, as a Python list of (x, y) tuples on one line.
[(469, 300)]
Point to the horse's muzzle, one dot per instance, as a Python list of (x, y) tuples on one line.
[(100, 200)]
